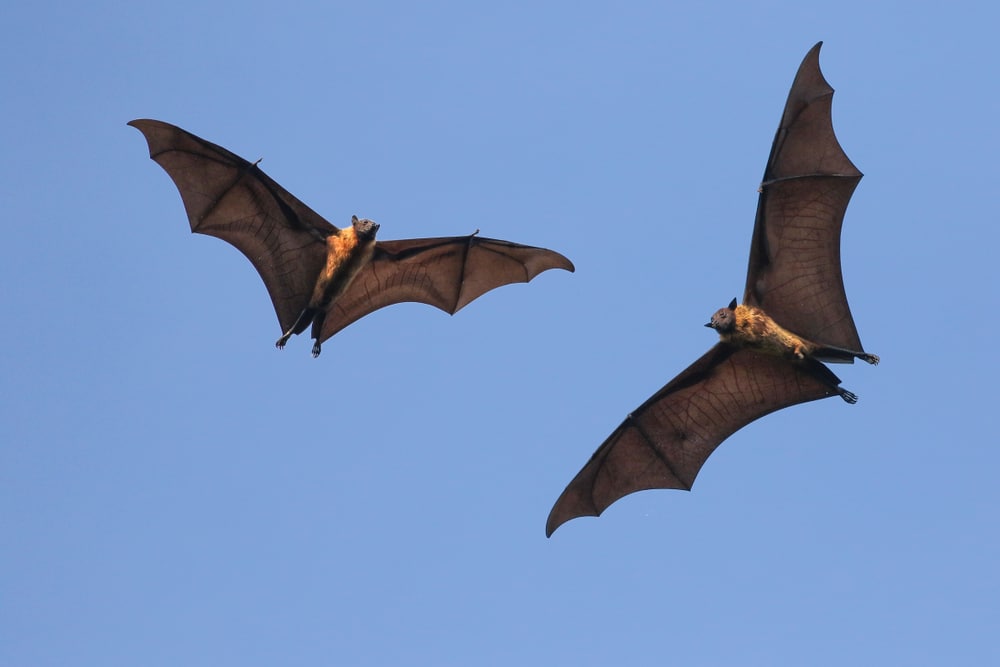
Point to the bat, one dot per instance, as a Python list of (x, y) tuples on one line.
[(315, 273), (771, 348)]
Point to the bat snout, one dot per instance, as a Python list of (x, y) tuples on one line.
[(365, 227)]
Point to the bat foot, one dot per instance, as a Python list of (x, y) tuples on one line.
[(280, 343), (316, 350), (870, 358), (847, 396)]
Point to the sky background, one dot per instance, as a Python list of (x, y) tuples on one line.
[(174, 491)]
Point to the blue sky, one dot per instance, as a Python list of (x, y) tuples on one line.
[(173, 490)]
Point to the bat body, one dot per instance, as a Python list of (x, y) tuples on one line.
[(771, 348), (347, 252), (751, 328), (315, 273)]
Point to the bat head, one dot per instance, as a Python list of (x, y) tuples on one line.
[(364, 227), (724, 319)]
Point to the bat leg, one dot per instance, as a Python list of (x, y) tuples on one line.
[(829, 378), (317, 331), (830, 353), (305, 317)]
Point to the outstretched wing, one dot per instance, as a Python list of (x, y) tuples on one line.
[(227, 197), (666, 440), (444, 272), (794, 272)]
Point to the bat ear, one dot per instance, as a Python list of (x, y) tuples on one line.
[(354, 219), (732, 304)]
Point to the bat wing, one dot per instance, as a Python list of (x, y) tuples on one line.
[(666, 440), (794, 272), (227, 197), (444, 272)]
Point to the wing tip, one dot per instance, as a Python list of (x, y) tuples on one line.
[(148, 127), (810, 68), (558, 262), (554, 260), (557, 519), (142, 124), (813, 53), (574, 502)]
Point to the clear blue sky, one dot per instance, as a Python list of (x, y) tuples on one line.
[(174, 491)]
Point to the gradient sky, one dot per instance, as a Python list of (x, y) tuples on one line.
[(174, 491)]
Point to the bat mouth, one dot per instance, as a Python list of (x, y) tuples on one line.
[(709, 325)]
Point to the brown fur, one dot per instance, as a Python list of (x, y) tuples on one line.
[(347, 254), (755, 329)]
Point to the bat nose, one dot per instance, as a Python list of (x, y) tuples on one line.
[(709, 325)]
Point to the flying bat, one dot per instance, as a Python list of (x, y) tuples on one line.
[(771, 348), (316, 274)]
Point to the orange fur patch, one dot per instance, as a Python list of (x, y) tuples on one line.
[(755, 329), (346, 255)]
